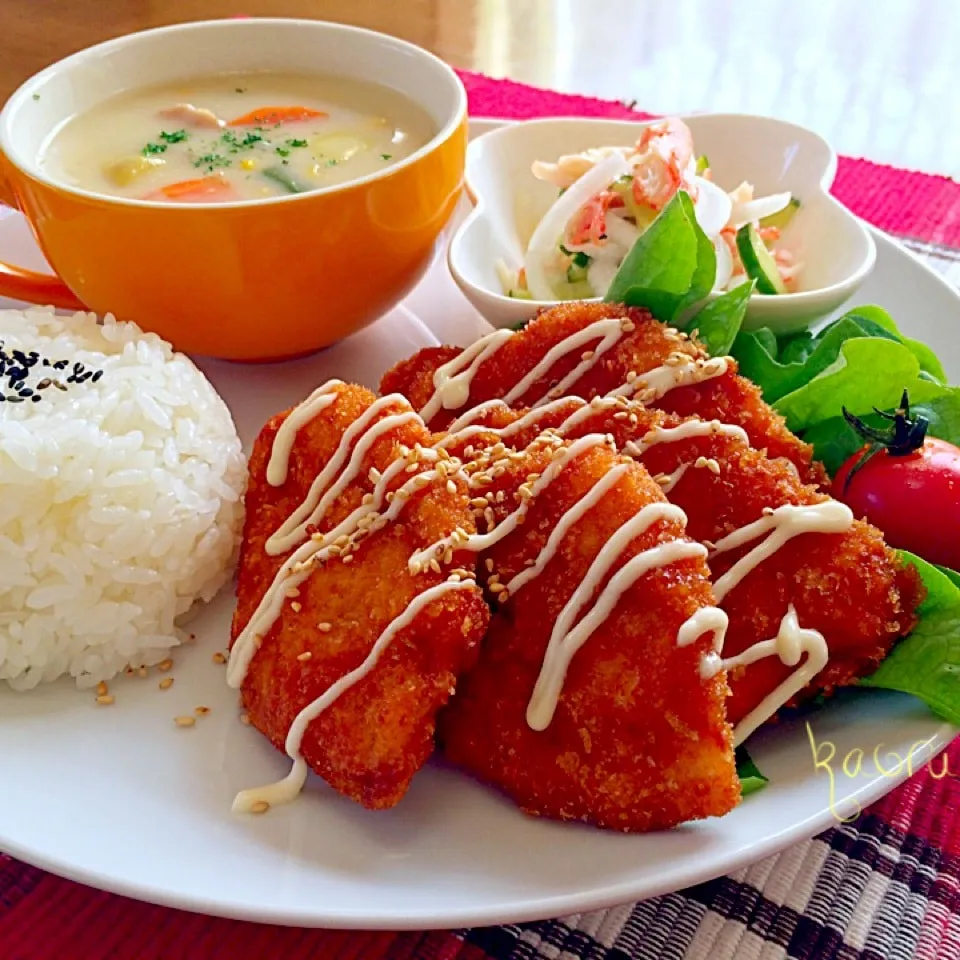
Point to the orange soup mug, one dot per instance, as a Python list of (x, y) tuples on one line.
[(248, 280)]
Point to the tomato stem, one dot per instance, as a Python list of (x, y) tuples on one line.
[(906, 435)]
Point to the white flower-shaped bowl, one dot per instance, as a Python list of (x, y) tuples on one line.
[(836, 250)]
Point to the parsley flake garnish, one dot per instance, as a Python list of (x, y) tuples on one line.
[(211, 161), (240, 89), (177, 136), (296, 143), (386, 156), (36, 96), (283, 152), (152, 148)]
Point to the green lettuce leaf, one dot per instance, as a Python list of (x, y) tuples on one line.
[(781, 368), (928, 360), (952, 575), (717, 324), (751, 779), (809, 377), (867, 373), (671, 266), (926, 664)]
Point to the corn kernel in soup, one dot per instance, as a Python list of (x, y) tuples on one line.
[(236, 137)]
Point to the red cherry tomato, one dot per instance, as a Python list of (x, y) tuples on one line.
[(914, 498)]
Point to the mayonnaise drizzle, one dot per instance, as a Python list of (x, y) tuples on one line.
[(287, 789), (790, 644), (463, 428), (478, 542), (593, 496), (299, 565), (588, 410), (670, 480), (658, 382), (475, 413), (565, 638), (782, 525), (683, 431), (452, 380), (609, 329), (294, 529), (300, 416)]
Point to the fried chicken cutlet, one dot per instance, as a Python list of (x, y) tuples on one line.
[(583, 706), (847, 585), (590, 350), (337, 646)]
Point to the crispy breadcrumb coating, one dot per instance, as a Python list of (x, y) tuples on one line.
[(638, 741), (849, 586), (372, 740), (645, 345)]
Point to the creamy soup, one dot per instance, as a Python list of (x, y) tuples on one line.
[(236, 137)]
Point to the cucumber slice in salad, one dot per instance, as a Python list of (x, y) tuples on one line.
[(782, 217), (577, 271), (758, 261), (574, 291)]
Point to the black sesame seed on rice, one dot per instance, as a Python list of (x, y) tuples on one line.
[(16, 370)]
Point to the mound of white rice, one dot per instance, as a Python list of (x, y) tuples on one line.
[(120, 496)]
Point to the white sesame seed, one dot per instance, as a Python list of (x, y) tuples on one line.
[(306, 655), (105, 700)]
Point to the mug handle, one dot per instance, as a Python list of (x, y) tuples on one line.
[(21, 284)]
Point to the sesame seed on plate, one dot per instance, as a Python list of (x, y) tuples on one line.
[(166, 683), (218, 658), (101, 688), (261, 806), (164, 665), (184, 721), (245, 719), (105, 700), (201, 711), (306, 655), (324, 627)]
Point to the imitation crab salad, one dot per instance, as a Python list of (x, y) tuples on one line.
[(610, 195)]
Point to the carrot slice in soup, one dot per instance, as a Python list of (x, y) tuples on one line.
[(200, 190), (267, 116)]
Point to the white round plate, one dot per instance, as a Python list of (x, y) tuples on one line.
[(120, 798)]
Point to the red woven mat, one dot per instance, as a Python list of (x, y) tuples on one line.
[(886, 886)]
